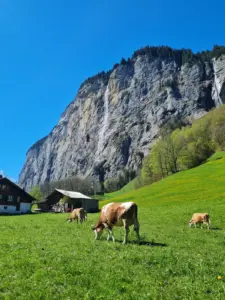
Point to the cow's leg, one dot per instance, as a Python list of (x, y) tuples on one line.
[(136, 228), (108, 237), (110, 234), (195, 225), (207, 224), (126, 231)]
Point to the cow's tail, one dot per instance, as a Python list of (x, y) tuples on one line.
[(135, 215), (136, 222), (135, 211)]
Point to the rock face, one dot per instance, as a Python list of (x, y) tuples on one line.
[(116, 116)]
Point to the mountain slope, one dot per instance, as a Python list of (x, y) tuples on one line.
[(116, 116), (203, 183)]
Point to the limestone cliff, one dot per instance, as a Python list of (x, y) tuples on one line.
[(116, 115)]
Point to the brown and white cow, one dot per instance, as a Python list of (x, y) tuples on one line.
[(117, 214), (200, 218), (77, 214)]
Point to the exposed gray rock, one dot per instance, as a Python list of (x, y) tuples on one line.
[(218, 93), (113, 120)]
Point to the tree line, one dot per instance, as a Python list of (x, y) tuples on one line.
[(185, 147), (123, 177), (87, 186), (181, 56)]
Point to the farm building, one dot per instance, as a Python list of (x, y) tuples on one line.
[(74, 200), (13, 199)]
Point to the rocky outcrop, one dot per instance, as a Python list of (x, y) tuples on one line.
[(218, 93), (117, 115)]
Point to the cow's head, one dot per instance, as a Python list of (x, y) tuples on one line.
[(190, 223), (98, 230)]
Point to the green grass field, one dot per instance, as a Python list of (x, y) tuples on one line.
[(43, 257)]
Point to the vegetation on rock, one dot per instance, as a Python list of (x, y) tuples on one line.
[(184, 147), (182, 57)]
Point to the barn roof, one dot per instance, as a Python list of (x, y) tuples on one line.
[(72, 194), (54, 197)]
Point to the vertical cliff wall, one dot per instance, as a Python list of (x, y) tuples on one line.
[(116, 115)]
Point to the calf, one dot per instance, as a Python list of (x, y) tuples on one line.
[(117, 214), (77, 214), (200, 218)]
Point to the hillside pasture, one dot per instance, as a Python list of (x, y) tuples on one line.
[(43, 257)]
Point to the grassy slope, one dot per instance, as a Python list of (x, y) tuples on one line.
[(107, 196), (43, 257), (130, 186), (204, 182)]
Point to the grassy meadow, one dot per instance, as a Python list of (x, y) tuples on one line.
[(43, 257)]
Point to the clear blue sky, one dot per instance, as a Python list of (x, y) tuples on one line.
[(49, 47)]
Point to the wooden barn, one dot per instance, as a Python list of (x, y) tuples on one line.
[(74, 200), (13, 199)]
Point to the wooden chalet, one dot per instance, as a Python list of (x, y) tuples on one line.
[(13, 199), (75, 200)]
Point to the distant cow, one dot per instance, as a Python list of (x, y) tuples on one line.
[(200, 218), (117, 214), (77, 214)]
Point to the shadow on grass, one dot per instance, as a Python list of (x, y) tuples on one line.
[(215, 228), (147, 243), (15, 215)]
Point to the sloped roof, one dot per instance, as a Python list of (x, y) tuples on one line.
[(73, 195), (6, 180)]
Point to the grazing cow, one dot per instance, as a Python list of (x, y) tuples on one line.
[(200, 218), (77, 214), (117, 214)]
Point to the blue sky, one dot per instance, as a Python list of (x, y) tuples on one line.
[(49, 47)]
